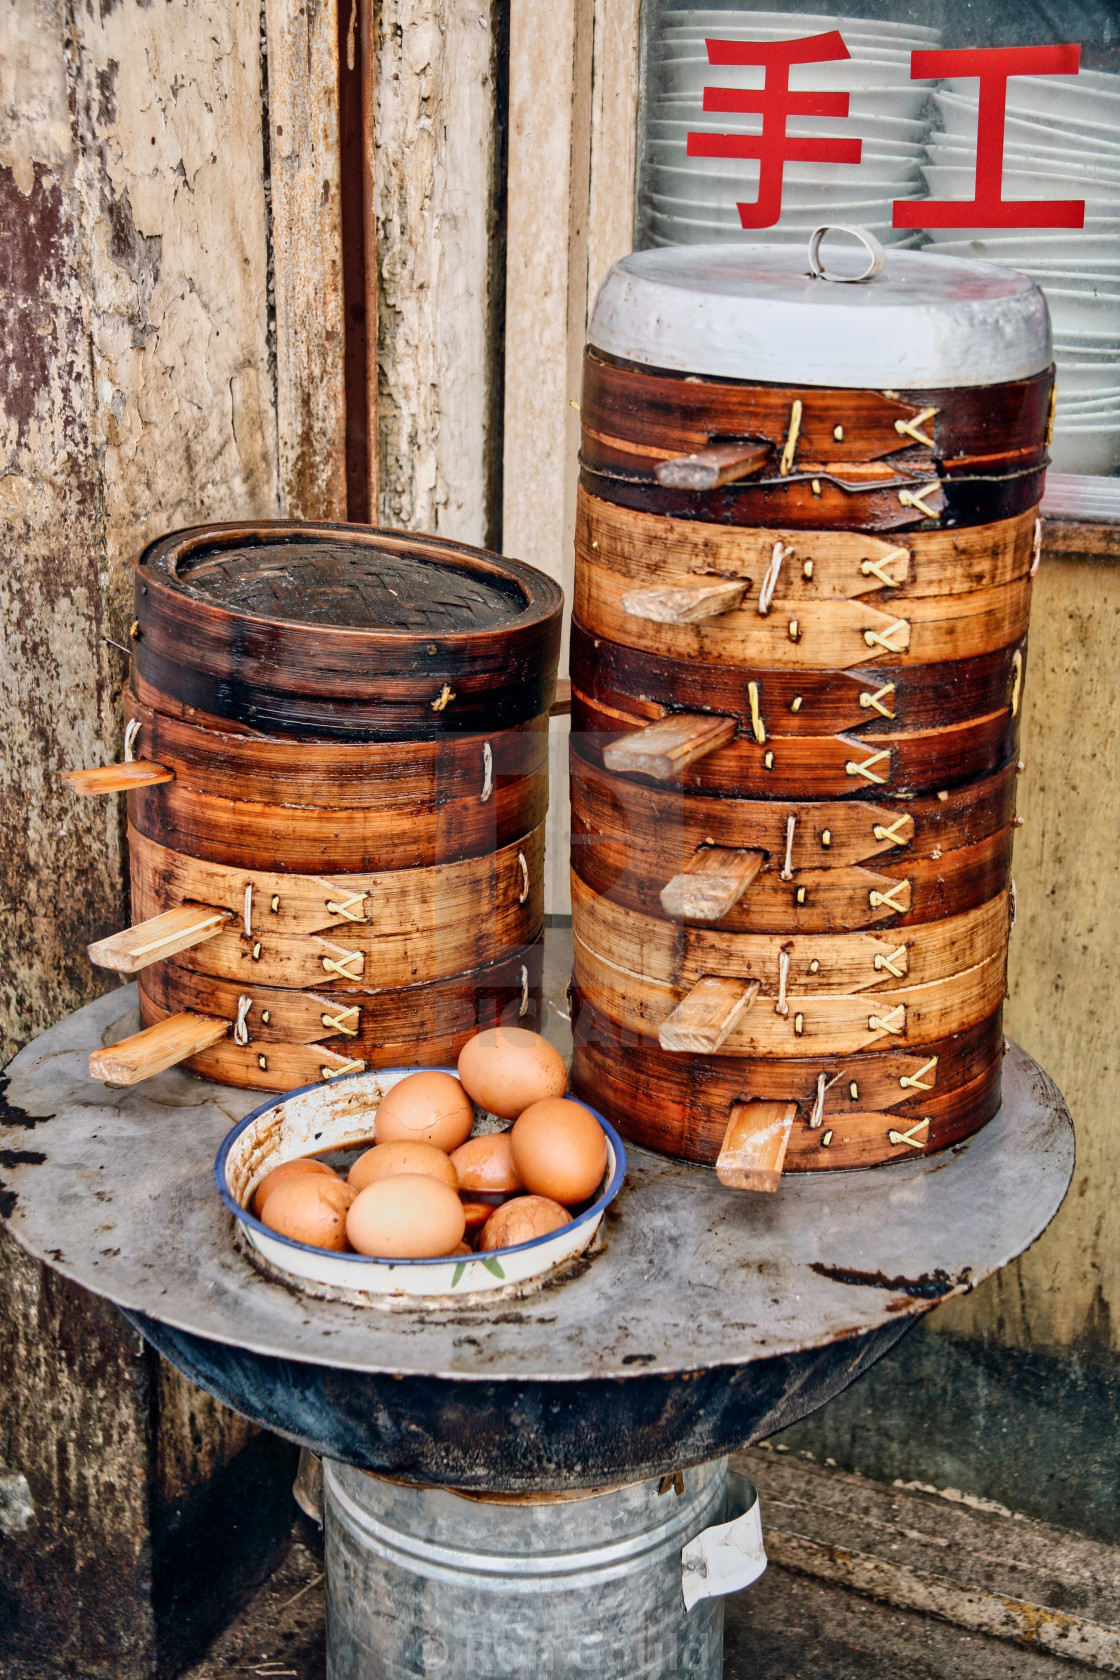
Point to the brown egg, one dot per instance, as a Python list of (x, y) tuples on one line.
[(507, 1068), (408, 1217), (426, 1108), (521, 1220), (278, 1175), (560, 1150), (310, 1209), (463, 1248), (485, 1163), (386, 1160), (477, 1213)]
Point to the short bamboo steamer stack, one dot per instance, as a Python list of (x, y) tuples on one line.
[(337, 784), (806, 535)]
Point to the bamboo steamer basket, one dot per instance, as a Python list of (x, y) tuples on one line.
[(806, 537), (336, 766)]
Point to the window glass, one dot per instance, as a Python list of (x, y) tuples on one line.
[(975, 130)]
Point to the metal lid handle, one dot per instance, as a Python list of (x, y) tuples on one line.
[(869, 242)]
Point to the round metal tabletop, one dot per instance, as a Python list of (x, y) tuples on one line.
[(696, 1326)]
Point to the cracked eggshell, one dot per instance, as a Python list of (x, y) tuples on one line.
[(425, 1108)]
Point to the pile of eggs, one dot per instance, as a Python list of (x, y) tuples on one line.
[(427, 1187)]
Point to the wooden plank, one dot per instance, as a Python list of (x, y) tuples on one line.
[(707, 469), (680, 601), (159, 937), (156, 1048), (562, 705), (668, 746), (307, 246), (117, 778), (703, 1019), (754, 1145), (715, 879)]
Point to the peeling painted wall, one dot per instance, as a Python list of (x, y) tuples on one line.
[(135, 395), (440, 259)]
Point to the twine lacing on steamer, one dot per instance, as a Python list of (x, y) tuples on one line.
[(524, 992), (869, 702), (354, 1066), (890, 832), (785, 873), (913, 498), (339, 1022), (913, 1081), (782, 1007), (131, 731), (345, 907), (343, 968), (866, 767), (240, 1029), (882, 638), (817, 1115), (912, 428), (757, 724), (888, 963), (524, 893), (766, 593), (874, 568), (887, 900), (487, 773)]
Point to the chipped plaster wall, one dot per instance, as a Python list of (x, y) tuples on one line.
[(135, 395), (435, 212)]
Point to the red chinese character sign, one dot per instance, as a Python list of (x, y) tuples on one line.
[(774, 148), (775, 102), (988, 208)]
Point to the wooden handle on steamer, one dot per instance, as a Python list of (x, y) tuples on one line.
[(160, 936), (156, 1048), (668, 746), (117, 778), (707, 469), (703, 1019), (754, 1145), (684, 601), (711, 884)]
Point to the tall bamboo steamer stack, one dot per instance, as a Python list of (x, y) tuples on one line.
[(806, 537), (338, 743)]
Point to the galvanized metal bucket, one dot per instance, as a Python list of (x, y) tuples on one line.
[(428, 1582)]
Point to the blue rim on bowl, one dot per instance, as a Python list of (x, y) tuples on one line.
[(256, 1229)]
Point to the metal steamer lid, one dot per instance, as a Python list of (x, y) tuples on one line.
[(769, 314)]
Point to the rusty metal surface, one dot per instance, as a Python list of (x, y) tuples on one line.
[(113, 1189)]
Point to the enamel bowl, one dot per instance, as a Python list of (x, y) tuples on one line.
[(340, 1116)]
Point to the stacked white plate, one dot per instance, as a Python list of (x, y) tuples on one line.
[(1061, 141), (690, 200)]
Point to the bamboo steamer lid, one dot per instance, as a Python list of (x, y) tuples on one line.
[(867, 319), (296, 628)]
